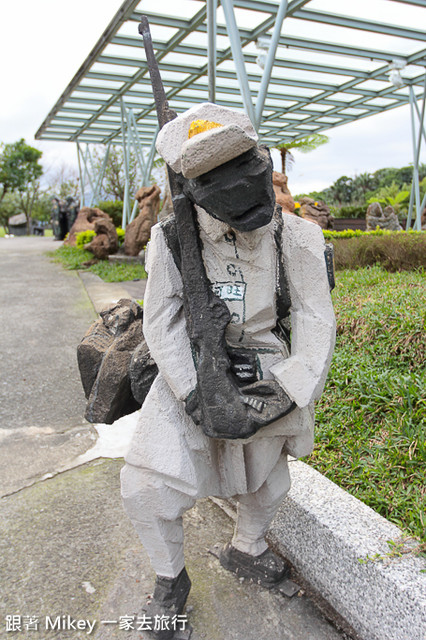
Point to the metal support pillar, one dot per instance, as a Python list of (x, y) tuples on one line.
[(135, 208), (85, 175), (415, 187), (150, 159), (126, 203), (130, 138), (237, 54), (211, 35), (133, 138), (420, 119), (96, 193), (80, 173), (266, 77)]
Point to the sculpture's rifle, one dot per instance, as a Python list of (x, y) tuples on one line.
[(202, 307), (225, 412)]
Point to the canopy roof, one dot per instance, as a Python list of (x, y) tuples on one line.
[(329, 68)]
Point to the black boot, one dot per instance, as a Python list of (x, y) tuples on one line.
[(267, 569), (169, 599)]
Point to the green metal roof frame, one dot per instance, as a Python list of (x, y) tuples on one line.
[(314, 85)]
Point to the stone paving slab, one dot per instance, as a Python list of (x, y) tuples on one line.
[(67, 549), (44, 310)]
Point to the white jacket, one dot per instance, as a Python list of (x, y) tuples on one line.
[(242, 267)]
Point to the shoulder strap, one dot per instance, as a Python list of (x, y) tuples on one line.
[(168, 227), (283, 301), (329, 263)]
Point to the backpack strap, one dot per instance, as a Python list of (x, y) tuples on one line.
[(169, 229), (329, 263), (283, 301)]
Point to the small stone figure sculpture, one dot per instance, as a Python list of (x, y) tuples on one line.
[(264, 269), (317, 212), (386, 219), (64, 213), (139, 230), (106, 240)]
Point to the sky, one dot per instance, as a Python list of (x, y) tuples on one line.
[(43, 43)]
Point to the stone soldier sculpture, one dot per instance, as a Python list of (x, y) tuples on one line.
[(238, 318), (253, 257)]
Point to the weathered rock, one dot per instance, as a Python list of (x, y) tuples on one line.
[(282, 193), (138, 231), (387, 219), (106, 240), (104, 357), (316, 211), (85, 221)]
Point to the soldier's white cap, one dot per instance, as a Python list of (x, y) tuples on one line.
[(204, 137)]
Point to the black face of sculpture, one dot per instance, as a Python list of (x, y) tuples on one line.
[(238, 192)]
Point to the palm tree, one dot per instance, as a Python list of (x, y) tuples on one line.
[(306, 144)]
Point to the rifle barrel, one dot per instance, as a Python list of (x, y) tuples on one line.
[(164, 113)]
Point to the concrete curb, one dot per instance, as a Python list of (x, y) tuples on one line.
[(102, 294), (340, 547)]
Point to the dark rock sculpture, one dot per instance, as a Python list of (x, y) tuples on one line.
[(64, 213), (104, 357)]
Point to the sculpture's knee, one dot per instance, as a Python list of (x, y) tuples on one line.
[(273, 489), (145, 492)]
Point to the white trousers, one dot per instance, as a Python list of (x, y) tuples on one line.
[(156, 509)]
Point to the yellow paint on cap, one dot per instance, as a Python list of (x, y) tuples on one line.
[(198, 126)]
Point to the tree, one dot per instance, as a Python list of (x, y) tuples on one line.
[(20, 172), (309, 143), (62, 181), (362, 184), (342, 190), (9, 206), (114, 181)]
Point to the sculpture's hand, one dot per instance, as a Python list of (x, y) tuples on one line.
[(268, 402), (243, 366), (226, 411), (217, 404)]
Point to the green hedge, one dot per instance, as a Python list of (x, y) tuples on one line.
[(349, 211), (113, 208), (393, 250)]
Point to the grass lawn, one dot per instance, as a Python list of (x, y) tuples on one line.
[(371, 419), (47, 232), (74, 258)]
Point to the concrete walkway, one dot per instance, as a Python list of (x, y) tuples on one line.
[(68, 555)]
